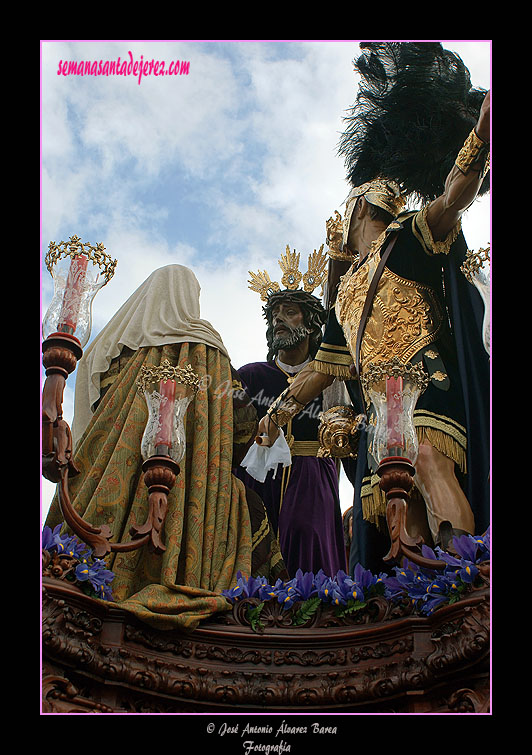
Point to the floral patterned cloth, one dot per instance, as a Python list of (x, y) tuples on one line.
[(207, 531)]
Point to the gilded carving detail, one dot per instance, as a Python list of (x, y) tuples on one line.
[(405, 317)]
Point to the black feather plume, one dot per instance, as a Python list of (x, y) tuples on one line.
[(414, 109)]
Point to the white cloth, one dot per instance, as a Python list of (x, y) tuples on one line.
[(260, 459), (292, 369), (164, 309)]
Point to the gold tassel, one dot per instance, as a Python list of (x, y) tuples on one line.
[(444, 443), (374, 503), (339, 371), (374, 499)]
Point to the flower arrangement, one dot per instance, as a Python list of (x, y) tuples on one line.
[(430, 588), (427, 589), (307, 590), (89, 573)]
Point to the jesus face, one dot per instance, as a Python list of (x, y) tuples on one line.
[(288, 326)]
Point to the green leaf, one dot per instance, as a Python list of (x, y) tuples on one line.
[(378, 588), (253, 616), (351, 607), (305, 611)]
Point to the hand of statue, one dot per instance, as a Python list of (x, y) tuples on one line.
[(482, 128), (334, 232), (267, 427)]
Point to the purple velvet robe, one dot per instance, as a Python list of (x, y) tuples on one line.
[(310, 521)]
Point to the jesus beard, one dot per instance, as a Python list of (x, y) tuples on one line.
[(291, 339)]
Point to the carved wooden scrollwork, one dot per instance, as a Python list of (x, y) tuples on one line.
[(61, 696), (406, 664)]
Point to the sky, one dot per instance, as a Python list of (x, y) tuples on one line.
[(217, 167)]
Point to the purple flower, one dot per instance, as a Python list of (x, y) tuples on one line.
[(394, 589), (234, 593), (253, 586), (427, 552), (350, 589), (431, 602), (426, 588), (365, 578), (245, 587), (49, 535), (325, 589), (68, 544), (304, 584), (473, 548), (288, 595), (97, 574), (267, 591), (468, 573)]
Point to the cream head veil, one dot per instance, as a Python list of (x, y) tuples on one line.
[(164, 309)]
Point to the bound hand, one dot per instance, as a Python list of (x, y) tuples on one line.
[(267, 427)]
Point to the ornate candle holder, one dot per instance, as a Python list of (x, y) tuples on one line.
[(168, 391), (476, 269), (79, 271), (394, 389), (339, 432)]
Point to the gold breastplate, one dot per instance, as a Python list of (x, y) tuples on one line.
[(405, 317)]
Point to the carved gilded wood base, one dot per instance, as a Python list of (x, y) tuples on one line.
[(98, 658)]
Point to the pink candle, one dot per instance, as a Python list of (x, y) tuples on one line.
[(72, 297), (394, 411), (166, 413)]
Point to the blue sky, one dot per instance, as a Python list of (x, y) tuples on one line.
[(218, 170)]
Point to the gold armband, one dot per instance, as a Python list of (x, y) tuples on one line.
[(474, 149), (284, 408), (344, 255)]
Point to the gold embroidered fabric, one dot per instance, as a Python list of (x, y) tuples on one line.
[(423, 234), (333, 359), (207, 530), (284, 409), (473, 150), (405, 317), (304, 448)]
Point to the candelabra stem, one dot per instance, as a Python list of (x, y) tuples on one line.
[(61, 353), (160, 473), (397, 480)]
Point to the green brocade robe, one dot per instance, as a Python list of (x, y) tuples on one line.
[(207, 531)]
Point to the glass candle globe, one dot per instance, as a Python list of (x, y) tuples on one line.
[(168, 391), (78, 271), (394, 389)]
